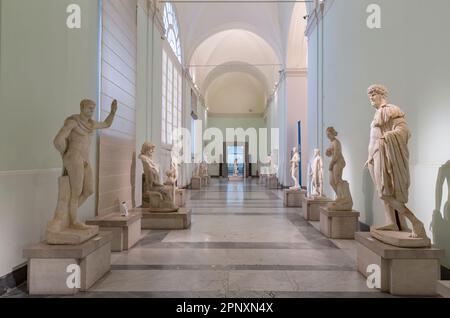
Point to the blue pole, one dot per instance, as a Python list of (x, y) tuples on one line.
[(300, 152)]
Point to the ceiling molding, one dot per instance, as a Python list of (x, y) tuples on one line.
[(317, 14), (296, 72), (237, 115)]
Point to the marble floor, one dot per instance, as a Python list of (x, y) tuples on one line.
[(242, 243)]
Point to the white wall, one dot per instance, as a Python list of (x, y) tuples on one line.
[(296, 110), (409, 54), (45, 71)]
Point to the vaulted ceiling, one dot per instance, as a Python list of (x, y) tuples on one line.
[(235, 51)]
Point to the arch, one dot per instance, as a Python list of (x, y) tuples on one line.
[(235, 66), (296, 41), (235, 46)]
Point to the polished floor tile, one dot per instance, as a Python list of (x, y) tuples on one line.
[(242, 243)]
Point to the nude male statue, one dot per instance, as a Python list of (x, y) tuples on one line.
[(73, 143)]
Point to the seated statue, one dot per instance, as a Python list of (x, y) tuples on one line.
[(156, 196)]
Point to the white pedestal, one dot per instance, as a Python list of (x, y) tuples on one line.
[(235, 178), (339, 224), (180, 197), (48, 265), (179, 220), (293, 198), (443, 288), (404, 271), (196, 183), (126, 230), (311, 207), (272, 182)]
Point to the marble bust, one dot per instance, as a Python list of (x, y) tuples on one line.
[(156, 197), (388, 163), (295, 160), (317, 175), (76, 184), (344, 201)]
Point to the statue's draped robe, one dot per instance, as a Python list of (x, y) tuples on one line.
[(391, 161)]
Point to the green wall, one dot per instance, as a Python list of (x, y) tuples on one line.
[(46, 69)]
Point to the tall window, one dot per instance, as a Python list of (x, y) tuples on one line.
[(171, 78), (172, 31)]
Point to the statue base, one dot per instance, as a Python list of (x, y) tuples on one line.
[(179, 220), (402, 271), (339, 224), (126, 230), (443, 288), (235, 178), (180, 197), (398, 238), (196, 183), (48, 265), (293, 198), (311, 207), (69, 236)]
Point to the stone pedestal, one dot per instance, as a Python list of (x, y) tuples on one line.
[(311, 207), (51, 267), (404, 271), (179, 220), (126, 230), (196, 183), (235, 178), (180, 197), (205, 181), (339, 224), (272, 182), (293, 198), (399, 238), (443, 288)]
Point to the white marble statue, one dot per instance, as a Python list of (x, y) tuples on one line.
[(235, 168), (203, 169), (317, 175), (388, 162), (172, 173), (124, 209), (344, 201), (76, 184), (156, 197), (295, 160)]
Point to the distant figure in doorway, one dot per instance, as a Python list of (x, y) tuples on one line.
[(235, 168)]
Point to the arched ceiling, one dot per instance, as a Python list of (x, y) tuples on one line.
[(227, 43), (236, 93)]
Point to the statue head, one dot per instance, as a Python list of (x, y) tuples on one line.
[(316, 152), (331, 133), (147, 148), (87, 108), (294, 150), (378, 95)]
